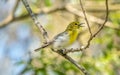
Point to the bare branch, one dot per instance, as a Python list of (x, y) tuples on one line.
[(15, 7), (43, 46), (106, 18), (75, 63), (66, 51), (10, 17), (72, 61), (85, 18), (37, 23)]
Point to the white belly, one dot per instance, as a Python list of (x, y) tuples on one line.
[(61, 41)]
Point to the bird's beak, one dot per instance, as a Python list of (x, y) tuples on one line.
[(81, 24)]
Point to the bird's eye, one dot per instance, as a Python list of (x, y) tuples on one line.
[(75, 23)]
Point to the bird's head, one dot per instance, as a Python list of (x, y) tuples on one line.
[(74, 26)]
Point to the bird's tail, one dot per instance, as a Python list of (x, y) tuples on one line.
[(45, 45)]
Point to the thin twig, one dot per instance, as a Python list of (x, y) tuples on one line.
[(43, 46), (37, 23), (82, 69), (85, 17), (11, 17), (101, 27), (66, 51)]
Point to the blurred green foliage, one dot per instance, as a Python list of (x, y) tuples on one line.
[(48, 2)]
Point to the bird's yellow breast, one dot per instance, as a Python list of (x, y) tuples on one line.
[(73, 36)]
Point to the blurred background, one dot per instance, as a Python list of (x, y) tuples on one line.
[(19, 37)]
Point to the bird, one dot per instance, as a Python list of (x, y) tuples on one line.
[(65, 38)]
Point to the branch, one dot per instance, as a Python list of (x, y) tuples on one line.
[(85, 17), (72, 61), (44, 33), (10, 17), (37, 23), (106, 18)]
